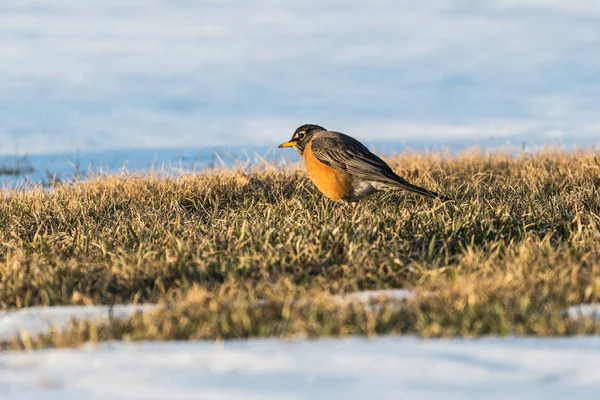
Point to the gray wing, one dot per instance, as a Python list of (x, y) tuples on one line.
[(347, 154)]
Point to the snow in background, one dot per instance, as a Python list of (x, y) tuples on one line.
[(93, 75)]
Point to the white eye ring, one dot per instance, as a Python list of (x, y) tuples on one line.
[(301, 135)]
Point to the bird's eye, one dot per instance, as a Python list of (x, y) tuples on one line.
[(301, 136)]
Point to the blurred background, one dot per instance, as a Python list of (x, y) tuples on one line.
[(138, 82)]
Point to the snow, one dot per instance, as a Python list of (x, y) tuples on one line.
[(383, 368), (369, 295), (37, 320), (584, 310), (351, 368), (95, 75), (395, 298)]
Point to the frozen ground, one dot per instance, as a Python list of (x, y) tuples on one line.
[(382, 368)]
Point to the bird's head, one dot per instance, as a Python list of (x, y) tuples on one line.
[(302, 137)]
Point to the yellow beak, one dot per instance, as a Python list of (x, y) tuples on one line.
[(287, 144)]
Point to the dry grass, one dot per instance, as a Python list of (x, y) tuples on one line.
[(235, 255)]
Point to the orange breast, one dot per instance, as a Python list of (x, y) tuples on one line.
[(335, 184)]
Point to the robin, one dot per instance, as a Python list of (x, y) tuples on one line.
[(343, 168)]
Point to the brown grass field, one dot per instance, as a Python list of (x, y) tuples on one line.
[(236, 255)]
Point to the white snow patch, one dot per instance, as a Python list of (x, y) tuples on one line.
[(382, 368), (396, 297), (584, 310), (369, 295), (38, 320)]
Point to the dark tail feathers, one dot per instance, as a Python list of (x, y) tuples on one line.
[(419, 190)]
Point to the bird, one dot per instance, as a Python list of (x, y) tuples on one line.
[(344, 169)]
